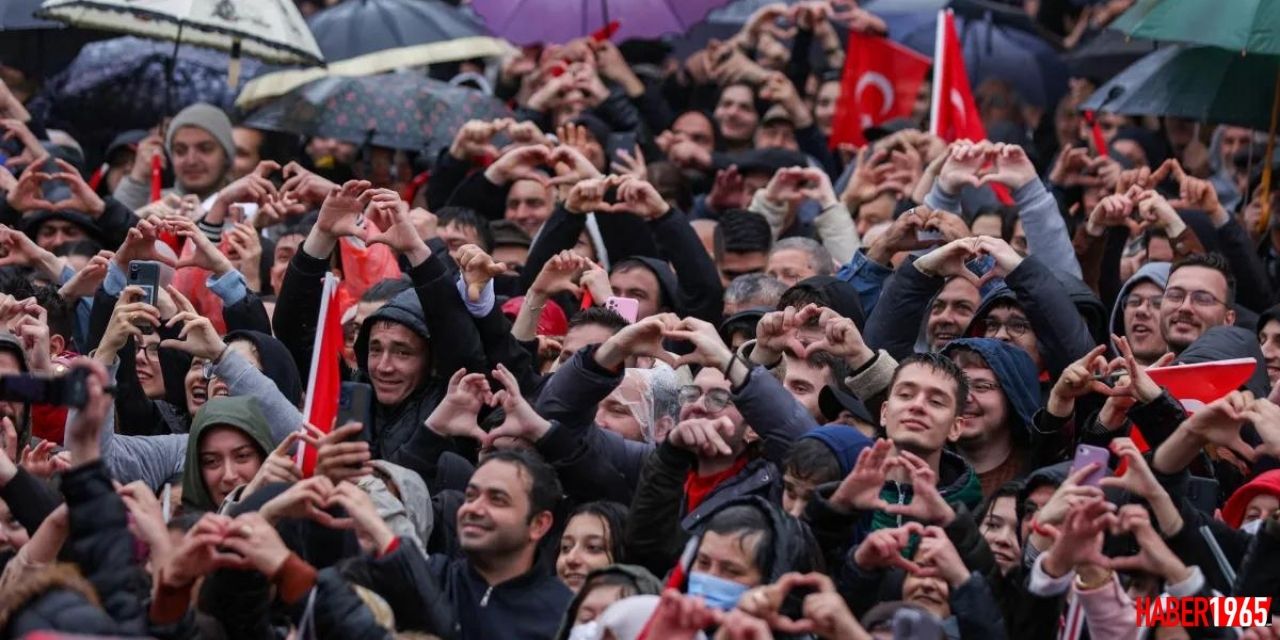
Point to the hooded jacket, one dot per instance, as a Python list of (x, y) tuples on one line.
[(241, 414), (957, 483), (643, 583), (1156, 273), (277, 363), (1267, 483), (845, 443), (1015, 372)]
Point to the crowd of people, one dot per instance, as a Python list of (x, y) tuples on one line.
[(650, 359)]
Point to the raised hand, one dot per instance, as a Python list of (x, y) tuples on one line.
[(860, 490), (1080, 379), (478, 268), (140, 244), (1154, 555), (1141, 386), (903, 235), (927, 504), (371, 529), (1006, 257), (519, 164), (127, 318), (641, 198), (398, 227), (302, 186), (960, 169), (27, 194), (681, 617), (1111, 211), (197, 337), (83, 198), (33, 152), (200, 552), (340, 213), (1219, 423), (842, 339), (882, 549), (521, 421), (474, 139), (709, 349), (252, 538), (571, 165), (936, 551), (88, 279), (558, 274), (40, 461), (457, 415), (1013, 168), (340, 455), (588, 196), (19, 249), (206, 254), (704, 437), (873, 176), (1138, 478), (251, 187), (278, 467), (727, 190), (630, 163), (948, 261), (641, 339), (306, 499), (1079, 540)]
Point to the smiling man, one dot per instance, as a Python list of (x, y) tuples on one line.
[(201, 150), (1199, 296), (1136, 314)]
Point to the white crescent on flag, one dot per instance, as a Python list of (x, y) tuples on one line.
[(877, 80), (957, 103)]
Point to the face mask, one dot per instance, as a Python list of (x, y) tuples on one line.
[(585, 631), (1252, 527), (717, 592)]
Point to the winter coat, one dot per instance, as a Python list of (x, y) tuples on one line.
[(658, 522), (110, 599), (642, 583), (1156, 273)]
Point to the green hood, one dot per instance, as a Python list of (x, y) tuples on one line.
[(238, 413)]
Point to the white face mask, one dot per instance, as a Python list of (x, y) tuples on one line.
[(585, 631), (1252, 528)]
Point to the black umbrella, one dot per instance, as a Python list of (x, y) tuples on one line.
[(1107, 54), (400, 110), (35, 46)]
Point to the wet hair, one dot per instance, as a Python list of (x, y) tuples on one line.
[(468, 218), (598, 316), (544, 486), (742, 521), (819, 258), (939, 364), (614, 516), (764, 289), (59, 314), (745, 231), (386, 289), (1213, 261), (811, 460), (1010, 489)]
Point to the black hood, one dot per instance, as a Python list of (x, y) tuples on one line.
[(1088, 305), (668, 285), (405, 308), (277, 363), (1225, 343), (841, 297)]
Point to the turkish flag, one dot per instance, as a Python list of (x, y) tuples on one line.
[(954, 115), (324, 382), (880, 82), (1196, 385)]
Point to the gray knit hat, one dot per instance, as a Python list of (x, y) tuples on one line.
[(207, 117)]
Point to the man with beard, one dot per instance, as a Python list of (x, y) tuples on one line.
[(499, 589), (1136, 314), (995, 424), (1198, 296), (201, 146)]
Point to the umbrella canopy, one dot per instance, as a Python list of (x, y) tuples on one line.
[(720, 24), (400, 110), (366, 37), (270, 30), (1201, 83), (1238, 25), (558, 21), (125, 83), (1107, 54), (996, 50)]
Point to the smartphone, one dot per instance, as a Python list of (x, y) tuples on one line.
[(355, 404), (929, 235), (910, 624), (1087, 454), (236, 213), (625, 141), (625, 307), (69, 390)]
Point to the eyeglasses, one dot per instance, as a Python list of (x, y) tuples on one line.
[(1175, 296), (1016, 327), (983, 386), (150, 351), (716, 399), (1133, 301)]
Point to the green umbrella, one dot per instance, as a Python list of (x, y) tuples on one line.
[(1201, 83), (1251, 26)]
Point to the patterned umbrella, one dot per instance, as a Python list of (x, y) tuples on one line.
[(124, 83), (400, 110), (558, 21)]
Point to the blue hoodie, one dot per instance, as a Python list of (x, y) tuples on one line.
[(1015, 372), (844, 441)]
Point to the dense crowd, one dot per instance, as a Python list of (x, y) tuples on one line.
[(650, 359)]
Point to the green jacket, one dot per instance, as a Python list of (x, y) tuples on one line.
[(240, 413)]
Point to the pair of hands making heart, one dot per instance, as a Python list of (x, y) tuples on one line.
[(458, 414), (808, 330)]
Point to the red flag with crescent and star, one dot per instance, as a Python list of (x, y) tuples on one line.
[(954, 115), (881, 81)]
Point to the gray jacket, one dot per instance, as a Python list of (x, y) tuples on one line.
[(1047, 237), (156, 459)]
